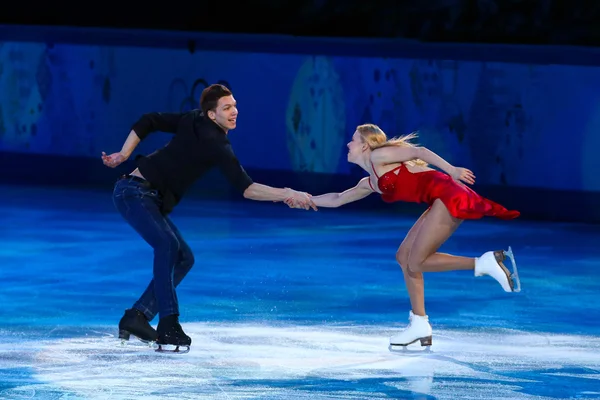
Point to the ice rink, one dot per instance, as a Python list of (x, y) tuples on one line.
[(289, 304)]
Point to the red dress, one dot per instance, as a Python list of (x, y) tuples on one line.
[(426, 187)]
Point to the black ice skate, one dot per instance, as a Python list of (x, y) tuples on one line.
[(171, 336), (134, 323)]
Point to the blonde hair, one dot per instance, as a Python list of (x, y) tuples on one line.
[(375, 138)]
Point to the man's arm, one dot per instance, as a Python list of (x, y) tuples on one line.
[(156, 121), (237, 176), (116, 159), (260, 192), (130, 144), (148, 123)]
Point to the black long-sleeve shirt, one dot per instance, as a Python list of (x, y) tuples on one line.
[(198, 145)]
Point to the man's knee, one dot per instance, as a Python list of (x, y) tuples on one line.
[(169, 243), (190, 259), (187, 257)]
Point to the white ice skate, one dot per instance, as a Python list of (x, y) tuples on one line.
[(492, 264), (418, 329)]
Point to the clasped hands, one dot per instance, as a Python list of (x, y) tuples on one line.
[(296, 199)]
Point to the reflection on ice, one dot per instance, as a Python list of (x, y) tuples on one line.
[(253, 361)]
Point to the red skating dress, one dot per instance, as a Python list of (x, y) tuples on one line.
[(427, 186)]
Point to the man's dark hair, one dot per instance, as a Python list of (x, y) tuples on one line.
[(211, 95)]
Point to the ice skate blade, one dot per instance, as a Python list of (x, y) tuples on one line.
[(425, 342), (126, 335), (125, 343), (515, 274), (169, 348), (403, 349)]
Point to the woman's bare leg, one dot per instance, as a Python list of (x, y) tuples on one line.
[(436, 229), (430, 232), (413, 280)]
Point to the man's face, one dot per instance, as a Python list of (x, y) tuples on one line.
[(225, 114)]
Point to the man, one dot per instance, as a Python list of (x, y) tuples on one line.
[(147, 196)]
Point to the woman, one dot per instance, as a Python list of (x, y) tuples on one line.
[(399, 171)]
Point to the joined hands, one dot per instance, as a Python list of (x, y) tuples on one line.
[(295, 199)]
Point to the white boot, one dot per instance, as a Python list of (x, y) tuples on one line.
[(418, 329), (492, 264)]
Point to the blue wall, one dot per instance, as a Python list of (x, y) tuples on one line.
[(531, 127)]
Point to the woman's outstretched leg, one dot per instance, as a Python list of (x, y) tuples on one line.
[(436, 229)]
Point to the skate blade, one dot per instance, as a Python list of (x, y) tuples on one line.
[(126, 343), (125, 335), (403, 349), (425, 342), (168, 348), (515, 274), (124, 338)]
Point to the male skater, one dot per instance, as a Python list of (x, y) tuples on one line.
[(147, 196)]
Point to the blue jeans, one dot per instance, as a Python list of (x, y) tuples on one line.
[(140, 205)]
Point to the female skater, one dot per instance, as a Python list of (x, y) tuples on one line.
[(399, 171)]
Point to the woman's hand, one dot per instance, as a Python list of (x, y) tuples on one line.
[(462, 175)]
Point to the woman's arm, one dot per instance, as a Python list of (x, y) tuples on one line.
[(397, 154), (332, 200)]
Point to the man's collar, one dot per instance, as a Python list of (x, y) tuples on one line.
[(214, 123)]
